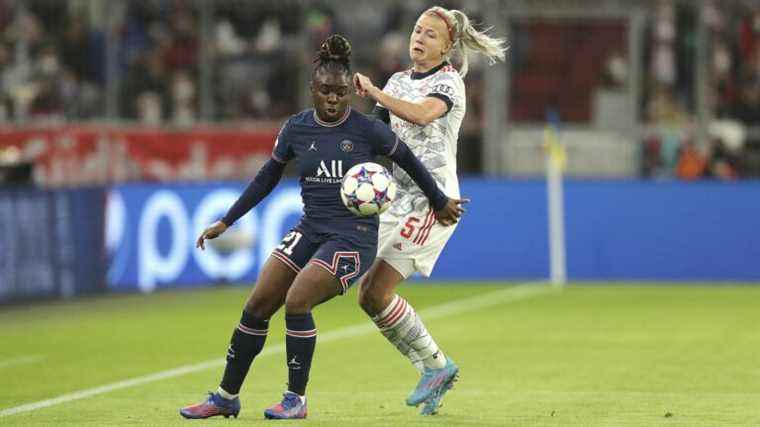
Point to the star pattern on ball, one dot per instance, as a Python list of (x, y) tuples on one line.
[(367, 189)]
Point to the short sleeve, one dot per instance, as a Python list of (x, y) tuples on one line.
[(282, 151), (444, 98), (444, 87), (384, 141)]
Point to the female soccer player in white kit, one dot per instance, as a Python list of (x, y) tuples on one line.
[(425, 107)]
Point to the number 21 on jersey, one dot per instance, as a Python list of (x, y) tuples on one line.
[(289, 242)]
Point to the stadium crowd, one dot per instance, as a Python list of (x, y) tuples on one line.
[(54, 68), (669, 148), (53, 56)]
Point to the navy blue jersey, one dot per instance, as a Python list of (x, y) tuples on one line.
[(323, 152)]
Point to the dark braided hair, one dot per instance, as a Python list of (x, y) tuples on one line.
[(334, 55)]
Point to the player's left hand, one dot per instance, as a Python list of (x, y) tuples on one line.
[(450, 214), (211, 232)]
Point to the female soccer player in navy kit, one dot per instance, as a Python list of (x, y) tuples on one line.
[(425, 107), (329, 248)]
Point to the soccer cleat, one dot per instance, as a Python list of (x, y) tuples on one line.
[(431, 405), (211, 407), (290, 408), (432, 381)]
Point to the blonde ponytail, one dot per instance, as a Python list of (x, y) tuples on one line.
[(466, 39)]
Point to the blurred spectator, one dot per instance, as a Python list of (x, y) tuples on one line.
[(749, 36), (181, 44), (47, 100), (5, 66), (147, 75), (667, 130), (721, 159), (615, 72), (747, 107), (74, 48), (149, 108), (663, 62), (724, 164), (393, 55), (183, 95), (692, 162)]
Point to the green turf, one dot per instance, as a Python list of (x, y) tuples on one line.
[(590, 355)]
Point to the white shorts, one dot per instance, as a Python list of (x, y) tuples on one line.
[(413, 243)]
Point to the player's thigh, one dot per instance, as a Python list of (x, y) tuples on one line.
[(311, 287), (271, 287), (279, 272), (335, 266)]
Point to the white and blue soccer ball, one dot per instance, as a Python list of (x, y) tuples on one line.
[(367, 189)]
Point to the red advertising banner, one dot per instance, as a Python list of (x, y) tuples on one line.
[(79, 155)]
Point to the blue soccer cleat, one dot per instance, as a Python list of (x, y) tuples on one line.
[(433, 381), (211, 407), (290, 408), (431, 405)]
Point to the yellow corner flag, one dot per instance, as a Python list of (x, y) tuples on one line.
[(554, 149)]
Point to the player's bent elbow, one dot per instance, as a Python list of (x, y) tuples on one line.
[(423, 119), (419, 115)]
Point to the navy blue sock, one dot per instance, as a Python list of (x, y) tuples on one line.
[(300, 340), (247, 341)]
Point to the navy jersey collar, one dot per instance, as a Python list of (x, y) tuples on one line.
[(332, 124), (430, 72)]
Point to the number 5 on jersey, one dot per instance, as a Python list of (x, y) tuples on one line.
[(416, 233)]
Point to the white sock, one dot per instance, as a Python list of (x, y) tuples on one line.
[(400, 324), (226, 395)]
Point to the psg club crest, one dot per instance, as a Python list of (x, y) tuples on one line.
[(347, 146)]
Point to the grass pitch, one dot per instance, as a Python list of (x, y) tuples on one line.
[(589, 355)]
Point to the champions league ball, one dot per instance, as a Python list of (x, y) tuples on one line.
[(367, 189)]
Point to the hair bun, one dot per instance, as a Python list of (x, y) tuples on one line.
[(335, 48)]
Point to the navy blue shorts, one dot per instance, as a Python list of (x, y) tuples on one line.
[(347, 256)]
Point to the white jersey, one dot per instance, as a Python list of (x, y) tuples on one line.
[(435, 144)]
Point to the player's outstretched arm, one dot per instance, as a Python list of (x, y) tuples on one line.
[(420, 113), (267, 178), (447, 210)]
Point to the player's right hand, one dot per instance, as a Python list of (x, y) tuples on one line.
[(211, 232), (363, 85), (450, 214)]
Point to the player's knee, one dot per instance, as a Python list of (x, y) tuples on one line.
[(296, 303), (260, 309)]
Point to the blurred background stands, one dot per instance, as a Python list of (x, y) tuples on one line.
[(659, 88)]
